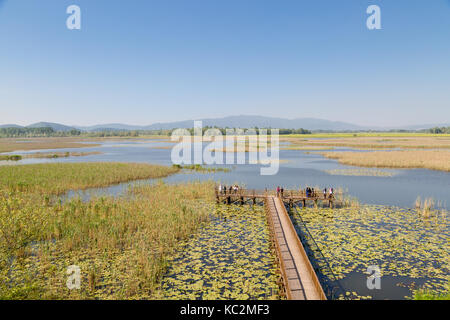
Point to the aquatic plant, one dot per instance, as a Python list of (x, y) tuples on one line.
[(56, 155), (230, 258), (406, 247), (422, 294), (200, 168), (10, 157)]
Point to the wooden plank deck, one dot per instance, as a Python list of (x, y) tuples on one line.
[(299, 277), (290, 197)]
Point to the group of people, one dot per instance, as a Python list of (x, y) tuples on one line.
[(310, 192), (223, 189), (327, 193), (280, 191)]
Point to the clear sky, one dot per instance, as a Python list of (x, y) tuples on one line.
[(146, 61)]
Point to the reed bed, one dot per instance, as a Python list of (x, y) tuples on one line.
[(57, 178), (120, 244), (373, 142), (360, 172), (14, 144), (46, 155), (200, 168), (55, 155), (424, 294), (425, 159)]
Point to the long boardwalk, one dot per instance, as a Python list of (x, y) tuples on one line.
[(290, 197), (299, 278)]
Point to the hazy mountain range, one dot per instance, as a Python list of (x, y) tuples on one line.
[(234, 122)]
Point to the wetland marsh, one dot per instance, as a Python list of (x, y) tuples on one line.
[(206, 251)]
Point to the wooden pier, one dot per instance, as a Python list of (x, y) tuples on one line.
[(299, 278), (289, 197)]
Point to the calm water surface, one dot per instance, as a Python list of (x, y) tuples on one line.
[(301, 169)]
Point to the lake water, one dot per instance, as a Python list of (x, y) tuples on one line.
[(300, 169)]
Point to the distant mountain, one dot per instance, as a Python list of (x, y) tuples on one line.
[(54, 126), (10, 126), (233, 122), (112, 126), (262, 122), (424, 126)]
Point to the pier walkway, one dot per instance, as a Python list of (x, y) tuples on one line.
[(299, 278)]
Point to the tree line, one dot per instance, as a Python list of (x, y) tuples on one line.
[(223, 131)]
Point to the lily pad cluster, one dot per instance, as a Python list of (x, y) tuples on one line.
[(405, 246), (230, 258)]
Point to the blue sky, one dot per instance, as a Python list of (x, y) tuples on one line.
[(146, 61)]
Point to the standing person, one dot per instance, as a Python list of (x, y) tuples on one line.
[(331, 192), (231, 189), (312, 192), (325, 193), (224, 189), (282, 190), (220, 188), (278, 191)]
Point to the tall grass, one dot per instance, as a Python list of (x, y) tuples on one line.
[(14, 144), (427, 159), (424, 294), (120, 244), (57, 178), (360, 141)]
